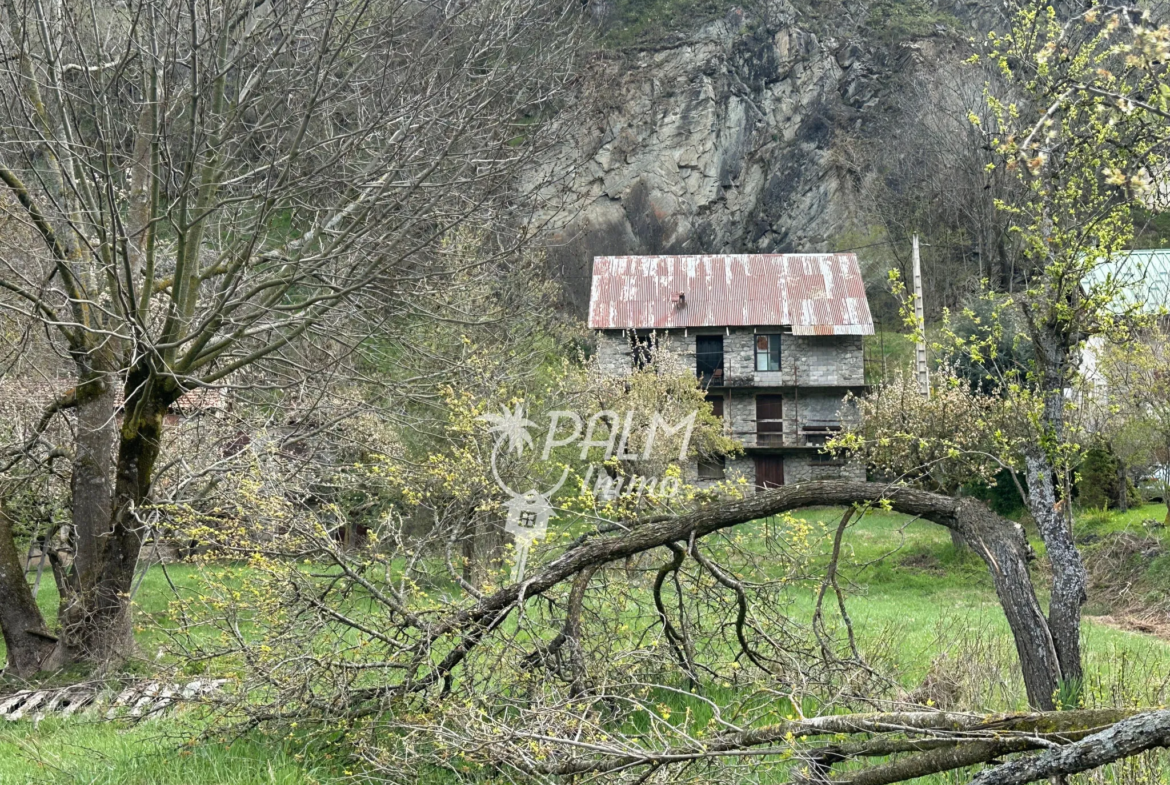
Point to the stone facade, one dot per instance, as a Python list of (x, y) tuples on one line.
[(815, 374), (805, 360)]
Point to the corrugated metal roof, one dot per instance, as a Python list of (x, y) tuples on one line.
[(816, 294), (1143, 275)]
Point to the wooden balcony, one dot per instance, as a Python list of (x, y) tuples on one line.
[(811, 434)]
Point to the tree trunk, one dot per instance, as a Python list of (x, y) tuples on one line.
[(92, 626), (1127, 738), (95, 616), (1068, 572), (483, 551), (1004, 548), (27, 639), (1122, 486), (1056, 362)]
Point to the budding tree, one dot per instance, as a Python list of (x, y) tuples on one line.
[(1083, 123), (1135, 400)]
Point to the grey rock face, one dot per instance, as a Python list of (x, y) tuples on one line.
[(722, 143)]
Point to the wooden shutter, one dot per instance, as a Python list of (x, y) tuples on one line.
[(769, 421), (769, 471)]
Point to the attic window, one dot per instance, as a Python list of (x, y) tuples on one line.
[(679, 299)]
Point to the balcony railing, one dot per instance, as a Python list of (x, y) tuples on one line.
[(810, 433), (711, 379)]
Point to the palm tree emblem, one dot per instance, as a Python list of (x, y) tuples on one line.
[(511, 427)]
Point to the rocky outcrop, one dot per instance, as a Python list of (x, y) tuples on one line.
[(725, 142)]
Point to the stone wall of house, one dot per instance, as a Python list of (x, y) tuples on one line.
[(809, 363), (736, 468), (805, 360), (613, 354), (803, 468), (829, 360), (798, 467)]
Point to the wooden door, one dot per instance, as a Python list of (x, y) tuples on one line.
[(769, 421), (769, 471)]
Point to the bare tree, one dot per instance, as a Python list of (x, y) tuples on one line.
[(933, 180), (215, 184)]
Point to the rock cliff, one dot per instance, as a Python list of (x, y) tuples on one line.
[(725, 141)]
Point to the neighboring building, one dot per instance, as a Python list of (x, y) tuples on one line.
[(1144, 277), (775, 338)]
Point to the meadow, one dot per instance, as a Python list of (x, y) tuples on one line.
[(923, 611)]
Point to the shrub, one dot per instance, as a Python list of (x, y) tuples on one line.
[(1097, 484)]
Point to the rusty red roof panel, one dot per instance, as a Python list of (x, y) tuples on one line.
[(815, 294)]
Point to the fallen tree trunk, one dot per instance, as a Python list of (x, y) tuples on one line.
[(999, 542), (953, 739), (1127, 738)]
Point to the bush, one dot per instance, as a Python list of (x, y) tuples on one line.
[(1002, 496), (1097, 482), (892, 21)]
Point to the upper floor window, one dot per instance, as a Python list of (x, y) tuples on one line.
[(767, 352), (642, 350), (709, 359)]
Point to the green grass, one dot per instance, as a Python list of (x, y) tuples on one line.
[(922, 597), (79, 751), (919, 607)]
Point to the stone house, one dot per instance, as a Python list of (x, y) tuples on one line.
[(775, 339)]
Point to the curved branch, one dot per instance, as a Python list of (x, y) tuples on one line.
[(678, 642), (1000, 542)]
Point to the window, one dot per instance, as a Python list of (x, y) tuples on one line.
[(769, 421), (643, 350), (817, 434), (709, 359), (767, 352), (716, 402), (713, 467)]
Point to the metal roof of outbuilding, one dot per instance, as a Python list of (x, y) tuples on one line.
[(815, 294), (1144, 278)]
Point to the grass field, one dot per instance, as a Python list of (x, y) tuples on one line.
[(920, 608)]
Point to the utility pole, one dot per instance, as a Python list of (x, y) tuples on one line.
[(921, 371)]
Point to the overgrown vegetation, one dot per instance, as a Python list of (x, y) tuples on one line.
[(360, 542), (923, 611)]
